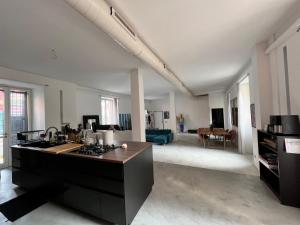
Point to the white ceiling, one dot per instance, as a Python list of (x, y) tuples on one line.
[(206, 42), (85, 55)]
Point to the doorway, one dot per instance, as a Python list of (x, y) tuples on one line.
[(13, 119), (245, 128), (159, 119), (217, 117)]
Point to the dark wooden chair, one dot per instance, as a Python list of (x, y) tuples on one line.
[(203, 134), (231, 136)]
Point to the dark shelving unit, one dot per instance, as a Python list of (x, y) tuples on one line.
[(283, 179)]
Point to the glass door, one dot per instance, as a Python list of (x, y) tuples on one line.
[(18, 114), (13, 119), (4, 127)]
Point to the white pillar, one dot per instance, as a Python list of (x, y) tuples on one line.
[(172, 118), (137, 106)]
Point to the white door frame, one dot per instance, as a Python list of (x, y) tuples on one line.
[(7, 128)]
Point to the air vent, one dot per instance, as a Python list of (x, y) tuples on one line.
[(122, 22)]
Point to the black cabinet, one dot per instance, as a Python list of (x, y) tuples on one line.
[(102, 205), (282, 178), (110, 191)]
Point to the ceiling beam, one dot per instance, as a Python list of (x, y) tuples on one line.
[(108, 20)]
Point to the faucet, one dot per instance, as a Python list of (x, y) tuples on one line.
[(49, 128)]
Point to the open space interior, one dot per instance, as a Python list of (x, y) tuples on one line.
[(149, 112)]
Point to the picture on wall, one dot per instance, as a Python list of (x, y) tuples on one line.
[(234, 112), (166, 115), (253, 119)]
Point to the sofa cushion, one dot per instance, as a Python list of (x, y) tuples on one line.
[(170, 137), (159, 136), (161, 139), (158, 132), (150, 137)]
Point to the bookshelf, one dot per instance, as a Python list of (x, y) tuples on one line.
[(279, 170)]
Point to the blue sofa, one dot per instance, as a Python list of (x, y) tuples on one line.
[(159, 136)]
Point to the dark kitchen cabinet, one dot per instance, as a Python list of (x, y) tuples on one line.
[(107, 190)]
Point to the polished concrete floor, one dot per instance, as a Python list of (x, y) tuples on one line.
[(189, 151), (183, 195), (7, 189), (188, 195)]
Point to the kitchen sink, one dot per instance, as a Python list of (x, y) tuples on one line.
[(41, 144)]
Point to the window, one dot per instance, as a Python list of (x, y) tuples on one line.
[(109, 111), (18, 113)]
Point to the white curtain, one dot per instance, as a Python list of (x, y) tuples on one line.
[(229, 111), (245, 128), (109, 111)]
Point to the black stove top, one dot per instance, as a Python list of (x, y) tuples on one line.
[(95, 150)]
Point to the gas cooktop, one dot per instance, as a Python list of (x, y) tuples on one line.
[(95, 150)]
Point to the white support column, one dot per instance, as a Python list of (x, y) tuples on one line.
[(137, 106), (172, 113)]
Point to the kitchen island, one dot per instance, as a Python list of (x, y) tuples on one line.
[(111, 186)]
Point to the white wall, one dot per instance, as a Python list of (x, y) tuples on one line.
[(77, 100), (291, 39), (147, 104), (216, 99), (124, 104), (293, 53), (263, 83), (278, 80), (88, 102), (195, 110), (38, 108), (160, 104), (51, 95), (275, 82), (260, 91)]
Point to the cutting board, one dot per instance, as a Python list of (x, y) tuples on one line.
[(63, 148)]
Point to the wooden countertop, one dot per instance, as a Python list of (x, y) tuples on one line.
[(116, 156), (63, 148), (53, 150)]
